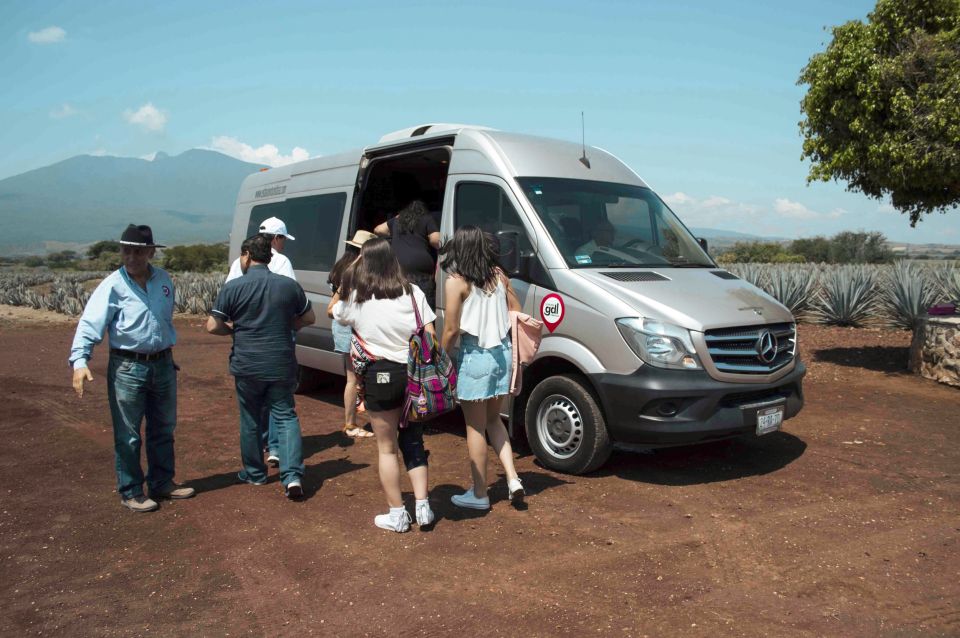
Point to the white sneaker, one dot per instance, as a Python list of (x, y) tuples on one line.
[(396, 521), (424, 514), (515, 491)]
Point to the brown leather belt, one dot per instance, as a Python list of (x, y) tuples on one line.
[(141, 356)]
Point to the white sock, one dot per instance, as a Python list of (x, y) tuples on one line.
[(423, 501)]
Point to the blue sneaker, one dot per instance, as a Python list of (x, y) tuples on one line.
[(468, 500)]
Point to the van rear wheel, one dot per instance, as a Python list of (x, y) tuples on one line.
[(565, 426)]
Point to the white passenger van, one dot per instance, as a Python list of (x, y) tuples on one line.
[(647, 341)]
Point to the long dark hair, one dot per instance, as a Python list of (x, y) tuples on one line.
[(407, 218), (471, 255), (336, 273), (376, 274)]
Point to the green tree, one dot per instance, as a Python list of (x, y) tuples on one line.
[(107, 248), (757, 252), (882, 111), (815, 249), (195, 258), (62, 259), (859, 248)]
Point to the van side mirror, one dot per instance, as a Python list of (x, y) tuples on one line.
[(703, 244), (509, 251)]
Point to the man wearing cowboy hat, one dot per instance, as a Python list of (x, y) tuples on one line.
[(134, 305)]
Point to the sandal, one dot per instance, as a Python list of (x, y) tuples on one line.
[(356, 431)]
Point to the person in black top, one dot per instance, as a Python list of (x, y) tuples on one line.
[(415, 238), (264, 309)]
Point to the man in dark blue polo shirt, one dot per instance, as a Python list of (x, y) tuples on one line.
[(262, 310)]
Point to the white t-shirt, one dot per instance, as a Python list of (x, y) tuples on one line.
[(385, 325), (278, 264)]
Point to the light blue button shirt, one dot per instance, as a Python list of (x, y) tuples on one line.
[(135, 319)]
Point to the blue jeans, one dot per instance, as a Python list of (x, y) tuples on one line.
[(254, 397), (269, 439), (138, 390)]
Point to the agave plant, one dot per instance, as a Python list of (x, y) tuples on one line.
[(793, 286), (752, 273), (947, 279), (908, 293), (848, 296)]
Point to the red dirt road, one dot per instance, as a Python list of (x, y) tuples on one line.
[(845, 524)]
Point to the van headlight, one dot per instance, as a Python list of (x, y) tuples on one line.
[(659, 344)]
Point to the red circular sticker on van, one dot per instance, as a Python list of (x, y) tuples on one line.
[(551, 311)]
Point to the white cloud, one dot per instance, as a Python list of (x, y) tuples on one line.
[(99, 152), (147, 116), (63, 111), (149, 156), (715, 201), (50, 35), (794, 210), (887, 208), (267, 154), (678, 199)]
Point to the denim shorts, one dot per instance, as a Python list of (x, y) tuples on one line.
[(483, 373), (341, 337)]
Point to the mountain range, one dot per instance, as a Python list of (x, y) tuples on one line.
[(187, 198)]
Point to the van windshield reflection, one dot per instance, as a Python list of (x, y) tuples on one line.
[(608, 225)]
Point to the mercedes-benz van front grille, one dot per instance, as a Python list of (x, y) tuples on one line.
[(752, 349)]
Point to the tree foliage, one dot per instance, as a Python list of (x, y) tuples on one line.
[(195, 258), (757, 252), (106, 247), (882, 111), (847, 247)]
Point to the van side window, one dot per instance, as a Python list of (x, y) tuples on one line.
[(314, 221), (487, 206)]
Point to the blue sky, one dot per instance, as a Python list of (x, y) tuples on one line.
[(700, 98)]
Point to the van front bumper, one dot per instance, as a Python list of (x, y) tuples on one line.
[(659, 407)]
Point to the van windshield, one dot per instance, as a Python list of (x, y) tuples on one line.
[(602, 224)]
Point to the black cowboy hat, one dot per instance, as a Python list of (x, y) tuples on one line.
[(139, 236)]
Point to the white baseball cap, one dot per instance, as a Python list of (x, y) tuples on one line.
[(275, 226)]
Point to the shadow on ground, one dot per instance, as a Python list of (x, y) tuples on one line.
[(707, 463), (890, 359), (533, 483)]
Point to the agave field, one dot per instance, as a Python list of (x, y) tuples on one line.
[(894, 295), (68, 292)]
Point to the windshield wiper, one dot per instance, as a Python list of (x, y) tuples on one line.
[(628, 264), (687, 264)]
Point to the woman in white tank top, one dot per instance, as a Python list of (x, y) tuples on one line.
[(478, 297)]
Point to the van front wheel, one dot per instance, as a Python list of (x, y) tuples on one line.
[(565, 426)]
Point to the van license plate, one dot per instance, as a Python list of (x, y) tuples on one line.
[(769, 420)]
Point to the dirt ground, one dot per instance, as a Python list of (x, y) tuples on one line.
[(844, 524)]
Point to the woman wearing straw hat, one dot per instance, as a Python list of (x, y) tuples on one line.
[(342, 334)]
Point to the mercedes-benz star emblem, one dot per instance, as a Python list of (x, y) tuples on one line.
[(766, 347)]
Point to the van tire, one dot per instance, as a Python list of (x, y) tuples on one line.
[(565, 426), (307, 380)]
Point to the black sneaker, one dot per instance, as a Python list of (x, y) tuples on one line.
[(294, 489)]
